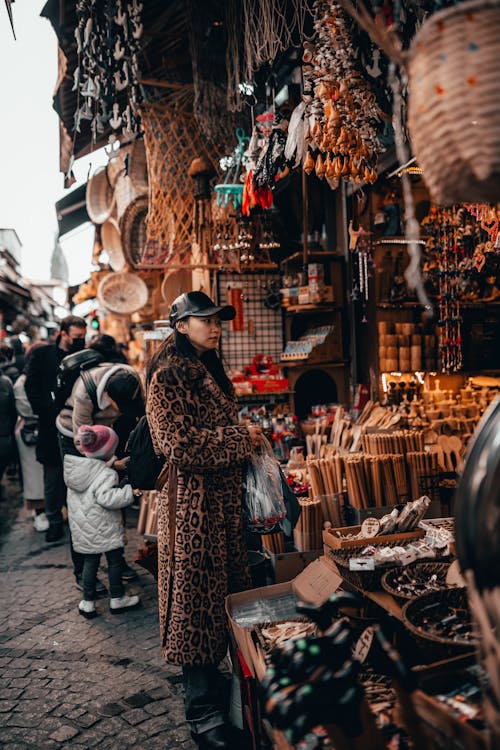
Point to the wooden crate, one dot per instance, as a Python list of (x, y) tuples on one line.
[(337, 538)]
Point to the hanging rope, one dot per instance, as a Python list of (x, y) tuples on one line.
[(268, 29), (413, 274)]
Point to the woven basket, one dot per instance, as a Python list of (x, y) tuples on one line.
[(420, 571), (133, 230), (112, 243), (100, 197), (137, 166), (125, 194), (366, 580), (454, 102), (433, 646), (175, 283), (122, 293)]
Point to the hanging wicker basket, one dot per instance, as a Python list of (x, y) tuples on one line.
[(112, 243), (100, 197), (133, 230), (454, 102), (122, 293)]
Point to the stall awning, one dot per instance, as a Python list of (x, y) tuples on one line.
[(71, 210)]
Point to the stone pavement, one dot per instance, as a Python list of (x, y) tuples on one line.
[(69, 682)]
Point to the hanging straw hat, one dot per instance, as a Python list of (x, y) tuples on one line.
[(112, 243), (133, 230), (100, 197), (122, 293)]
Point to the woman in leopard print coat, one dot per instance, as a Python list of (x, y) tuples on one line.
[(192, 413)]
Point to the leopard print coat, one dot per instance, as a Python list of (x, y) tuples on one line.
[(194, 424)]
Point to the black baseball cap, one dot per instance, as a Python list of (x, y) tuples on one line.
[(198, 305)]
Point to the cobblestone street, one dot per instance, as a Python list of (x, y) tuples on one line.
[(67, 681)]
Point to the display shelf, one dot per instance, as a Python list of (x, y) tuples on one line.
[(323, 308), (318, 363), (415, 305), (313, 256), (270, 394)]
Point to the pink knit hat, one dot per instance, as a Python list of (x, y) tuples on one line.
[(97, 441)]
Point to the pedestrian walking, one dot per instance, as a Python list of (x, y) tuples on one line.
[(193, 416), (26, 432), (7, 363), (40, 382), (8, 417), (19, 353), (94, 503)]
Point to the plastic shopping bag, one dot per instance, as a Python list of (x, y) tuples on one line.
[(263, 504)]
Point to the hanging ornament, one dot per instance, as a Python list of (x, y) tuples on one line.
[(108, 38)]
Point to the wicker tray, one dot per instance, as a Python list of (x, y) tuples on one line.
[(368, 580), (433, 645), (337, 538), (420, 572)]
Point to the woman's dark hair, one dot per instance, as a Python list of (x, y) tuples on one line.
[(183, 345)]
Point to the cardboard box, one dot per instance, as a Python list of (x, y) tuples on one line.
[(288, 565), (303, 298), (314, 585)]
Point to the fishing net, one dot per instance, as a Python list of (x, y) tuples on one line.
[(172, 141)]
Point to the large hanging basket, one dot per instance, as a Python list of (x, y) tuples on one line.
[(112, 244), (454, 102), (122, 293), (100, 197)]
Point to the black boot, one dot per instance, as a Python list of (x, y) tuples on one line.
[(215, 739), (54, 533)]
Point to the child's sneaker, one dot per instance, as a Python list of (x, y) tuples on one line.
[(87, 609), (123, 603)]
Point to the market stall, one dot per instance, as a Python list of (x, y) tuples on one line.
[(366, 284)]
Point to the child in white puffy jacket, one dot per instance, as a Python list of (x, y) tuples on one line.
[(94, 502)]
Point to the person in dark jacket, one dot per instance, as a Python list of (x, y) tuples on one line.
[(19, 353), (7, 364), (8, 417), (40, 383)]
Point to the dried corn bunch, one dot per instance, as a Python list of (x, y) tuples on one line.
[(341, 112)]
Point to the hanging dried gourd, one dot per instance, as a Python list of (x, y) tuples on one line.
[(341, 112)]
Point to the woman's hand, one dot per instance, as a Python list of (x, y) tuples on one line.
[(255, 433), (120, 464)]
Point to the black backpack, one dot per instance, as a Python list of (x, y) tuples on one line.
[(144, 466), (70, 369)]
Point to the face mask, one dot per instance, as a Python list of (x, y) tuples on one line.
[(77, 345)]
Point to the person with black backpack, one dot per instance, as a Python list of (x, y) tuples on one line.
[(104, 394), (40, 384)]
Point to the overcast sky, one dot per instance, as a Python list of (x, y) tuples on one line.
[(30, 181)]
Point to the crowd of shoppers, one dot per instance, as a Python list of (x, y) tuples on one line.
[(192, 415), (48, 442)]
